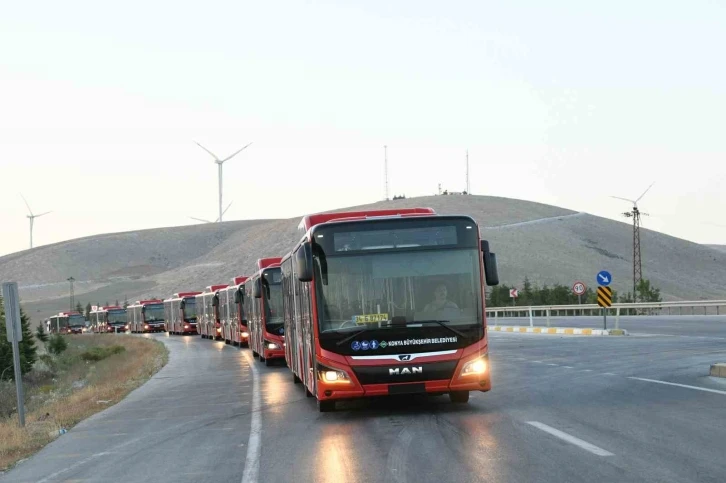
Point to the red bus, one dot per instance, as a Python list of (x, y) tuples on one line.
[(146, 316), (108, 319), (263, 308), (234, 325), (180, 314), (387, 302), (210, 326), (70, 322)]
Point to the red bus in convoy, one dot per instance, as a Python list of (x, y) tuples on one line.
[(211, 326), (234, 326), (70, 322), (146, 316), (387, 302), (263, 308), (108, 319), (180, 314)]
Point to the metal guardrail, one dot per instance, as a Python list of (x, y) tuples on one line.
[(647, 308)]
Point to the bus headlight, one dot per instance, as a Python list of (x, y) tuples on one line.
[(272, 346), (333, 376), (475, 367), (146, 326), (245, 335), (219, 330)]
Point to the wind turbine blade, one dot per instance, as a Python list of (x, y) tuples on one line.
[(235, 153), (225, 210), (199, 219), (43, 214), (207, 150), (644, 192), (624, 199), (26, 204)]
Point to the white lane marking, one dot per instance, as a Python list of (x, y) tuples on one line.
[(705, 389), (571, 439), (609, 374), (551, 364), (568, 367), (586, 370), (252, 460), (537, 362)]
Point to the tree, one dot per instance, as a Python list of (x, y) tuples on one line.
[(28, 350), (126, 302), (41, 335), (79, 307), (117, 303), (647, 293), (57, 344), (88, 311)]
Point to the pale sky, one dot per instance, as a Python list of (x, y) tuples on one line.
[(561, 102)]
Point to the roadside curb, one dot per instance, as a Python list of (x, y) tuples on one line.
[(718, 370), (560, 331)]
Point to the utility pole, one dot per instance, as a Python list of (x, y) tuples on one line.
[(385, 167), (468, 190), (635, 214), (71, 280)]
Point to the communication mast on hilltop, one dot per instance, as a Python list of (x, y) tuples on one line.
[(468, 190), (635, 214)]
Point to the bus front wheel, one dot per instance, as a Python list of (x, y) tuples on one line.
[(459, 397)]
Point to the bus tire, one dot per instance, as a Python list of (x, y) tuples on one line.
[(295, 379), (326, 406), (459, 397), (268, 363)]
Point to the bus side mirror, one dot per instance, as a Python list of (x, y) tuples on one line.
[(215, 301), (183, 304), (238, 297), (304, 263), (257, 289), (491, 274)]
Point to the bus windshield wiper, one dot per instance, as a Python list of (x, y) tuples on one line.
[(354, 334), (442, 323)]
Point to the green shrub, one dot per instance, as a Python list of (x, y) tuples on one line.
[(57, 344), (96, 354)]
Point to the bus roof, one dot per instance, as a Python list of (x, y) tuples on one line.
[(181, 295), (214, 288), (310, 221), (148, 302), (239, 280), (68, 314), (269, 262)]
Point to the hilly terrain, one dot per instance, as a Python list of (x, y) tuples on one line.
[(546, 243)]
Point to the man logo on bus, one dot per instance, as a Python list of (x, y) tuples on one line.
[(398, 371), (406, 357)]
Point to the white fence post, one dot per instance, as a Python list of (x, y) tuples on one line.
[(531, 321)]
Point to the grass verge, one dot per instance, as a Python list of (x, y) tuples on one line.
[(95, 372)]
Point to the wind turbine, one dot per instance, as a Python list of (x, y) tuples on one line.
[(220, 162), (218, 219), (635, 214), (32, 218)]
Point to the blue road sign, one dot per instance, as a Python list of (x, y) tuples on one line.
[(604, 278)]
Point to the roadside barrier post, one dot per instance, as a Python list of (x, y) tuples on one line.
[(531, 322)]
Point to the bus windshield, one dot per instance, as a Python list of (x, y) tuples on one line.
[(399, 289), (154, 313), (274, 320), (76, 320), (116, 316), (190, 310)]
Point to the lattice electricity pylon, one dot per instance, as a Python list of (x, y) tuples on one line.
[(635, 213)]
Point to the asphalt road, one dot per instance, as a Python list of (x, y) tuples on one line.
[(682, 325), (562, 409)]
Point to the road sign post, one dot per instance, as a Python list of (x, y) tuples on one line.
[(579, 289), (15, 335), (605, 300), (513, 294)]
